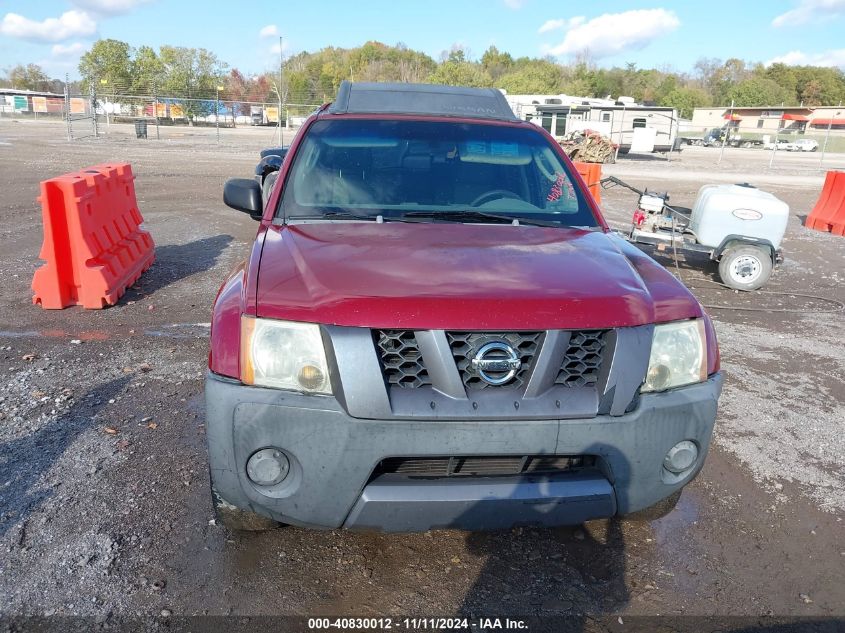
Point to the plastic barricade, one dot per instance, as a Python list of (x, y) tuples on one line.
[(591, 173), (829, 213), (94, 248)]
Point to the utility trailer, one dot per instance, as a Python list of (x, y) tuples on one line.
[(716, 136), (738, 226)]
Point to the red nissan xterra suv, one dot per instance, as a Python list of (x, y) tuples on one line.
[(436, 328)]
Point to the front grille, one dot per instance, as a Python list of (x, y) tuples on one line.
[(485, 466), (582, 362), (403, 366), (401, 361), (465, 344)]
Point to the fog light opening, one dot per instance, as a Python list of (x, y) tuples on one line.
[(681, 457), (267, 467)]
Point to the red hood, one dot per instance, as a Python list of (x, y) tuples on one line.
[(462, 276)]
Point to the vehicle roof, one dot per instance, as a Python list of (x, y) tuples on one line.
[(421, 99)]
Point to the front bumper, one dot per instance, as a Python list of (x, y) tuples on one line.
[(333, 455)]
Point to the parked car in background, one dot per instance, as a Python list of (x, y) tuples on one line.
[(436, 328), (801, 145)]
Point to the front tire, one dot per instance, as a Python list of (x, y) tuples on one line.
[(745, 267)]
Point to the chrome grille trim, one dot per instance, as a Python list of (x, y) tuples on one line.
[(483, 466)]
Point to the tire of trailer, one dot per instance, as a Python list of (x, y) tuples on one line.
[(745, 267)]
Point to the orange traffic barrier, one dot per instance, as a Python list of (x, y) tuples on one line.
[(93, 247), (591, 173), (829, 212)]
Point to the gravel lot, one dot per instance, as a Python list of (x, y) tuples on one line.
[(104, 501)]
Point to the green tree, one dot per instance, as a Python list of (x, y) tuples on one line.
[(453, 72), (28, 77), (193, 73), (147, 71), (685, 100), (108, 63), (536, 77), (819, 86), (496, 63), (783, 75), (759, 91)]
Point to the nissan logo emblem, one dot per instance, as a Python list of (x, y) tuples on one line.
[(496, 363)]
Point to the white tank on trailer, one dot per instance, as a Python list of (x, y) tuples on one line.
[(742, 210)]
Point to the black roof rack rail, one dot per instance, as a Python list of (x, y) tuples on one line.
[(422, 99)]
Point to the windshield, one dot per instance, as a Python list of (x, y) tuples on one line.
[(418, 169)]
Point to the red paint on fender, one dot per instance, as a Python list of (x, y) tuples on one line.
[(235, 297), (223, 353)]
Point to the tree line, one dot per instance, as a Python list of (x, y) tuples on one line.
[(114, 67)]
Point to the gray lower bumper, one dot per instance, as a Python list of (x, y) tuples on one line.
[(402, 505), (332, 457)]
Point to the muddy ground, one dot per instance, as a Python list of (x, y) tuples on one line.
[(104, 500)]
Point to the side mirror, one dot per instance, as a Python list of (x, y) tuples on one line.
[(268, 164), (274, 151), (244, 194)]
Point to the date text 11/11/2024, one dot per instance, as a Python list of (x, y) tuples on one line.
[(417, 624)]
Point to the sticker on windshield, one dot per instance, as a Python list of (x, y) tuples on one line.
[(504, 149), (556, 191), (476, 147)]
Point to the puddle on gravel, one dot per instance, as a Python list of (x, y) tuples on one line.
[(181, 330), (173, 330), (677, 522)]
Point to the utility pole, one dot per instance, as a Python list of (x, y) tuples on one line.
[(103, 82), (92, 95), (621, 125), (827, 134), (727, 133), (217, 114), (67, 107), (155, 109), (281, 77), (777, 139)]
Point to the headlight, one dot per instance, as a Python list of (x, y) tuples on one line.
[(284, 355), (678, 355)]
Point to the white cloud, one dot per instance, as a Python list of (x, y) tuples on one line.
[(70, 24), (271, 30), (614, 33), (552, 25), (560, 23), (835, 58), (70, 50), (109, 7), (515, 4), (810, 10)]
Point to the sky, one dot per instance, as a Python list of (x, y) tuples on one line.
[(651, 34)]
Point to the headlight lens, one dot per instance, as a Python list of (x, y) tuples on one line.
[(284, 355), (678, 355)]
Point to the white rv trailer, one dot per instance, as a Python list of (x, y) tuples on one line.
[(634, 127)]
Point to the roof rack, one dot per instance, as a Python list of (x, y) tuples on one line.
[(425, 99)]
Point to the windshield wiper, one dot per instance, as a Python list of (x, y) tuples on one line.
[(345, 215), (465, 215)]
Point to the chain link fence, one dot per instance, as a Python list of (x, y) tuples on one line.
[(114, 110), (101, 113)]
